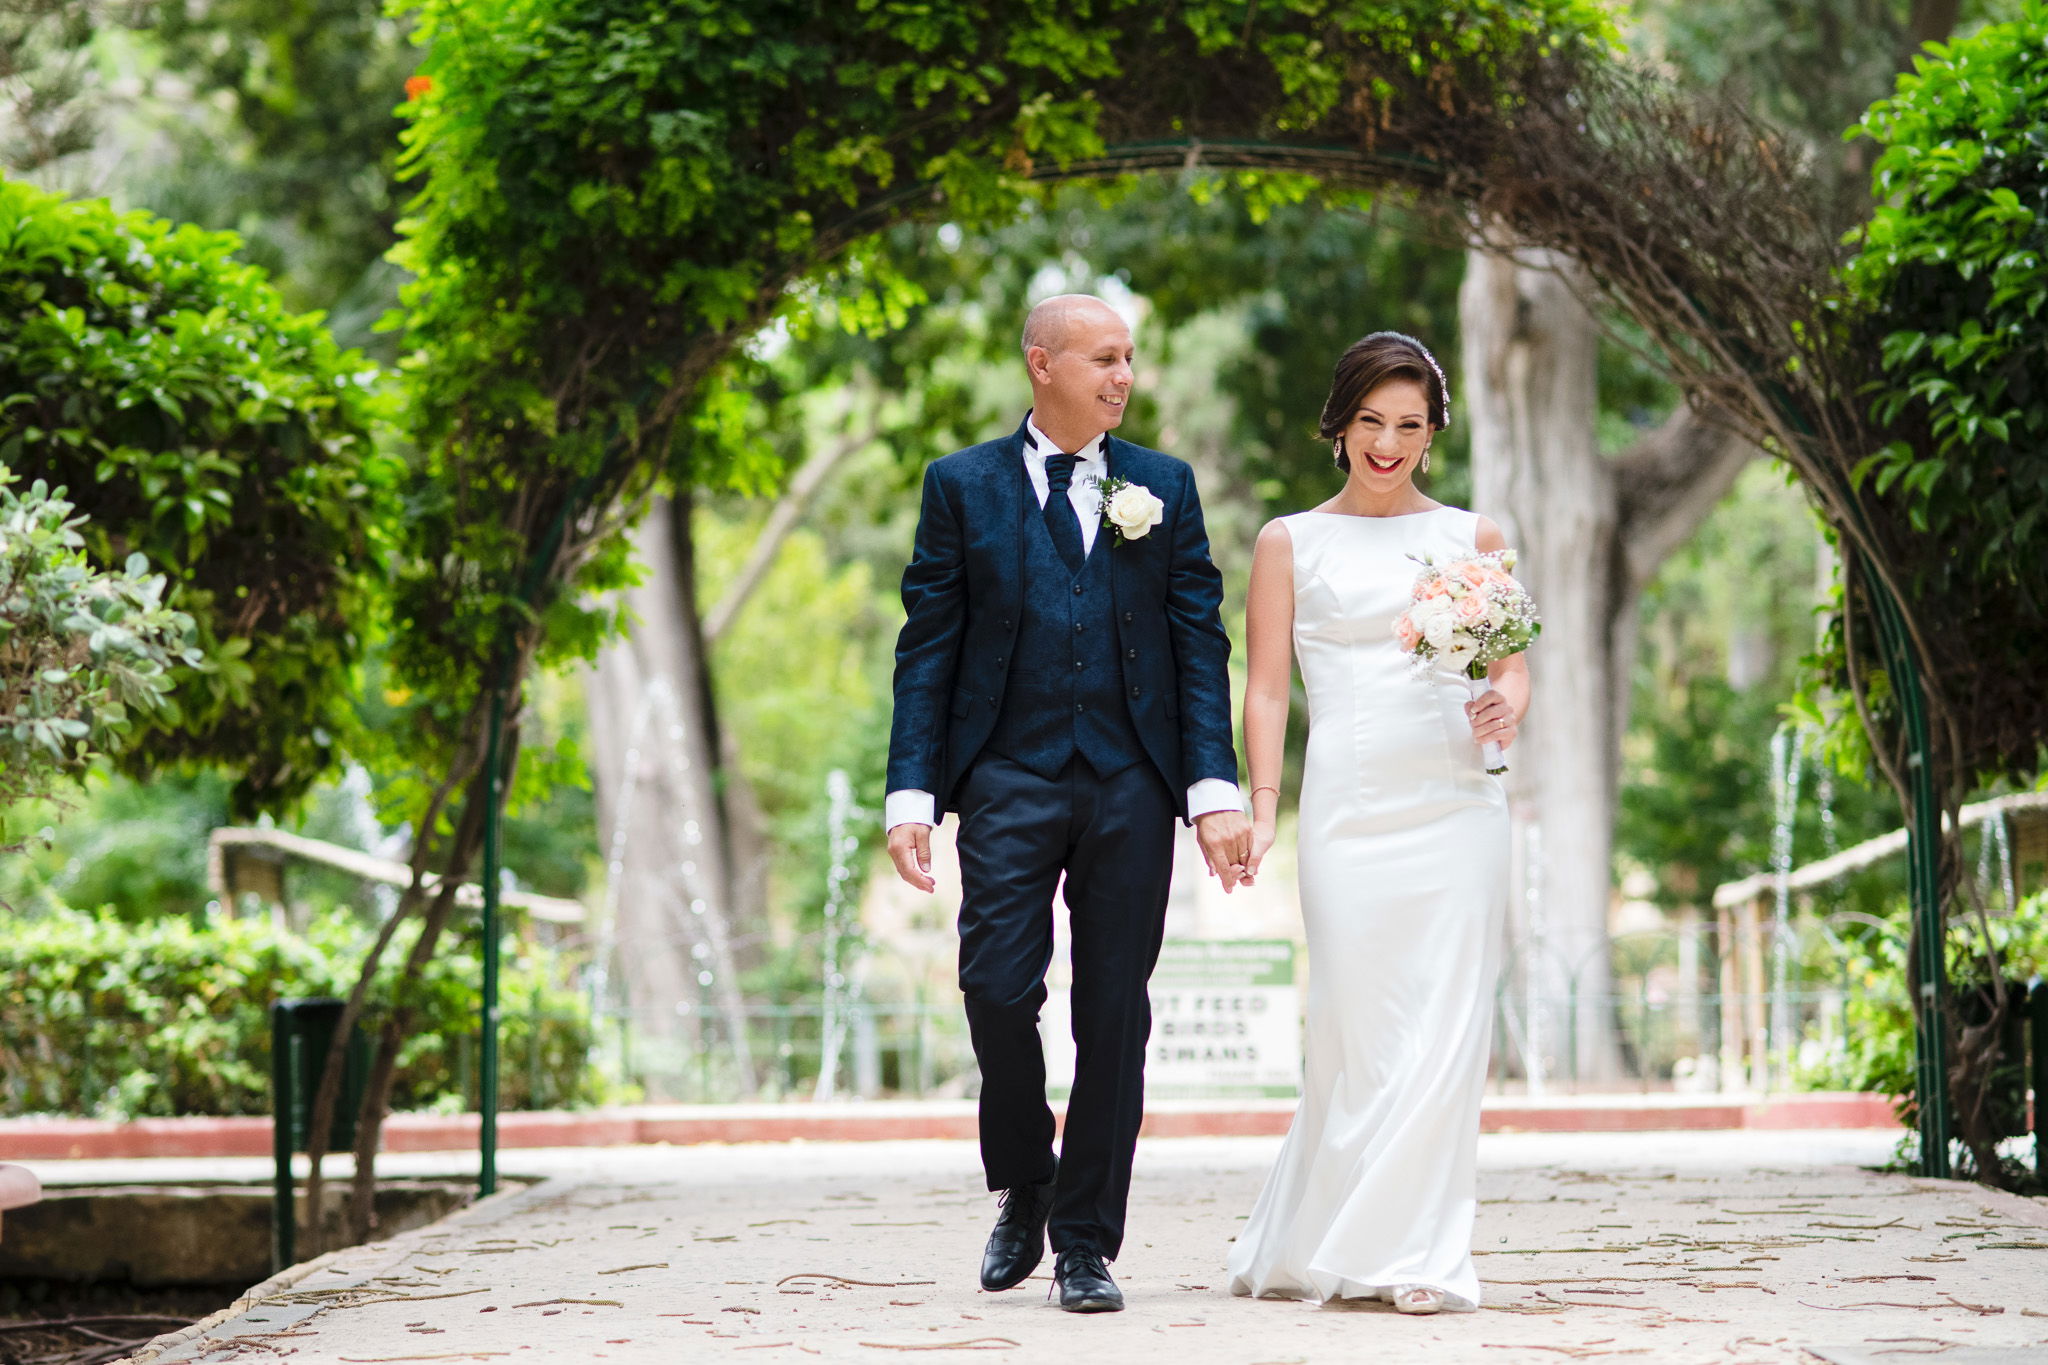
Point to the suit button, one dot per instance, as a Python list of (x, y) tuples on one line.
[(1006, 623), (1128, 654), (1134, 691), (1078, 627), (1077, 665), (999, 661), (1080, 706), (1127, 618)]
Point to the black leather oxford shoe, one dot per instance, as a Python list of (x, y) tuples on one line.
[(1017, 1244), (1083, 1282)]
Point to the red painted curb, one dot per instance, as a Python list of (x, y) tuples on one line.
[(73, 1139)]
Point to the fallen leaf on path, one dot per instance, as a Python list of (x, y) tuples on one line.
[(620, 1270), (1575, 1352), (973, 1344), (1872, 1279), (594, 1303), (842, 1282)]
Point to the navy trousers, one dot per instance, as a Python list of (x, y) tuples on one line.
[(1113, 838)]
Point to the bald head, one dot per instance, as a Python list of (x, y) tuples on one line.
[(1051, 324), (1078, 353)]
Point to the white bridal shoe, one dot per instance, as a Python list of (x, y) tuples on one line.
[(1417, 1298)]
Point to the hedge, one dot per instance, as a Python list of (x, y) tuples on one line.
[(110, 1020)]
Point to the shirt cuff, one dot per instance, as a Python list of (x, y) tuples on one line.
[(1212, 794), (913, 807)]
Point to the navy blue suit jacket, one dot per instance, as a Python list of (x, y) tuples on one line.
[(963, 594)]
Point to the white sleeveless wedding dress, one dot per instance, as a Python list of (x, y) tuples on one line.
[(1404, 870)]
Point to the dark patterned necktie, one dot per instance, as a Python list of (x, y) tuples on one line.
[(1060, 518)]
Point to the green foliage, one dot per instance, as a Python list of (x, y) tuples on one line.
[(46, 68), (1811, 69), (105, 1019), (137, 850), (1957, 251), (1722, 645), (1877, 1037), (1947, 287), (282, 114), (230, 442), (84, 654)]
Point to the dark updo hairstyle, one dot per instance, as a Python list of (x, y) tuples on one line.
[(1370, 362)]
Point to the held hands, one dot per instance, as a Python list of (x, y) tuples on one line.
[(1226, 840), (1493, 719), (1263, 834), (910, 848)]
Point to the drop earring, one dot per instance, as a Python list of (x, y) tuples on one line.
[(1337, 452), (1425, 459)]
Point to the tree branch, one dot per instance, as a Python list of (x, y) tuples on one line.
[(1668, 482), (788, 514)]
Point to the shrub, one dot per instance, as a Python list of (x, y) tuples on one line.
[(113, 1020), (81, 652), (196, 420)]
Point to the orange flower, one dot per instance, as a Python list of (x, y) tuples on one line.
[(415, 86)]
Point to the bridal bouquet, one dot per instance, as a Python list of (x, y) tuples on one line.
[(1465, 615)]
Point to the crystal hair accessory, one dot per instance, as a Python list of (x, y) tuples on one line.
[(1443, 384)]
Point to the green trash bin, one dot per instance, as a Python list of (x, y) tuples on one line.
[(301, 1032)]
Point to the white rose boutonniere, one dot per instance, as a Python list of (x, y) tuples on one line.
[(1129, 510)]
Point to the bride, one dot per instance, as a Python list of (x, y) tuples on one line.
[(1403, 860)]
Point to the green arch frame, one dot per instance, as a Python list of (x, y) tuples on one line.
[(614, 198)]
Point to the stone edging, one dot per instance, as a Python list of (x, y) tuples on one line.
[(887, 1120), (486, 1210)]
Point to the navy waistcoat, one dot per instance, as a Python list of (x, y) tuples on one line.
[(1065, 688)]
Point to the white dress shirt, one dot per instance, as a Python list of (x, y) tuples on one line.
[(1091, 464)]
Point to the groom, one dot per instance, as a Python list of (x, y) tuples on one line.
[(1061, 684)]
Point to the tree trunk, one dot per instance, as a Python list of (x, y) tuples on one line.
[(1590, 530), (656, 760)]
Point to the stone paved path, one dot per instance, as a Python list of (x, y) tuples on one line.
[(1735, 1247)]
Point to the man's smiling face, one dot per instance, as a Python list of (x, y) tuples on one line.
[(1083, 382)]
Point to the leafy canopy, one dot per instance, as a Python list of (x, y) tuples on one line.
[(615, 195)]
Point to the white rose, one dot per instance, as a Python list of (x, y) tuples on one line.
[(1458, 659), (1134, 511), (1439, 630)]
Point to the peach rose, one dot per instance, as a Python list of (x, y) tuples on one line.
[(1406, 634), (1471, 609)]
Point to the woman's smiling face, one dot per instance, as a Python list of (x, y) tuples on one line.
[(1388, 433)]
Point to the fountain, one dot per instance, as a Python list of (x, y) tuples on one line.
[(840, 997), (1788, 747)]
